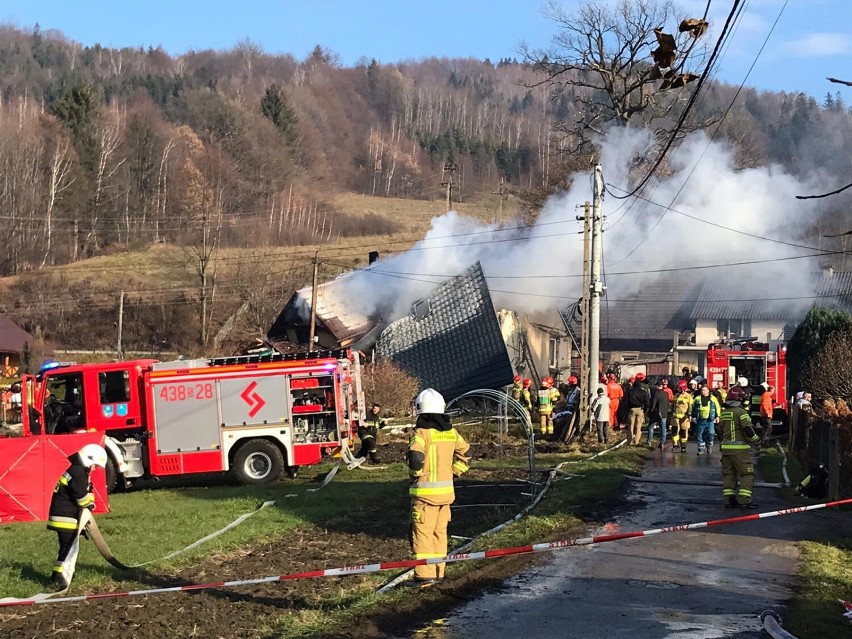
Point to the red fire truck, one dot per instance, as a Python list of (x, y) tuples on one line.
[(758, 362), (254, 416)]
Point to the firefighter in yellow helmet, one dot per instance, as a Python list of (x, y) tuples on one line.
[(681, 412), (738, 436), (72, 494), (436, 454)]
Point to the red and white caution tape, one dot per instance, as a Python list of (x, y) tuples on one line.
[(396, 565), (847, 605)]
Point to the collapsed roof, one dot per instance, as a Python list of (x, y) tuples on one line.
[(338, 323), (451, 340)]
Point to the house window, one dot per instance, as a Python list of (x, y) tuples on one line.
[(553, 353), (727, 328)]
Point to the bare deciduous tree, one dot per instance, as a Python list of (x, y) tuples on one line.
[(602, 57)]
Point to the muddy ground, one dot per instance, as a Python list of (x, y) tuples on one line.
[(373, 534)]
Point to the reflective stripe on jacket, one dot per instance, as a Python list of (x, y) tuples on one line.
[(704, 411), (443, 458), (71, 493), (736, 429)]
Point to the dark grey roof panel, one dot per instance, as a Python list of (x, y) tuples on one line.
[(452, 341)]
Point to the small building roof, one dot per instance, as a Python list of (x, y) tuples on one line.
[(335, 313), (13, 339)]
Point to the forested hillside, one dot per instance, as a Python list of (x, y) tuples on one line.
[(104, 150)]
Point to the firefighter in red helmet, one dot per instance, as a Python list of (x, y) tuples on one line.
[(545, 406), (517, 387), (526, 396)]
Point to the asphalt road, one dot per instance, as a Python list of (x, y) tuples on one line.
[(686, 585)]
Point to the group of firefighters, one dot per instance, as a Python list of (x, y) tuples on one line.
[(711, 413), (556, 407)]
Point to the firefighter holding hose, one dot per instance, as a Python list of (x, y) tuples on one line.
[(71, 496), (436, 454)]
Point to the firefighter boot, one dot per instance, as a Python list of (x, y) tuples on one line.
[(57, 579), (732, 502)]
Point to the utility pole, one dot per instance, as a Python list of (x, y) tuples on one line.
[(675, 355), (119, 351), (596, 284), (585, 395), (314, 302), (449, 183), (502, 193)]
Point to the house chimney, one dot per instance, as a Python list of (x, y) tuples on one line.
[(373, 257), (828, 271)]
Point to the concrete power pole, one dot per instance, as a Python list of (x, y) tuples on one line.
[(596, 284), (314, 303), (584, 314)]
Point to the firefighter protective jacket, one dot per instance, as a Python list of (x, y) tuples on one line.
[(436, 454), (682, 405), (72, 492), (545, 400), (736, 429), (517, 389)]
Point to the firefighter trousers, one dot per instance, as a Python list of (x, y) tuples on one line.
[(546, 424), (368, 442), (429, 537), (737, 475), (680, 431), (66, 542)]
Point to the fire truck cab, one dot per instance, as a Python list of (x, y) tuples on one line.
[(253, 416), (759, 363)]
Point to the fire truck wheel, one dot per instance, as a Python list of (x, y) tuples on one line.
[(258, 461), (112, 478)]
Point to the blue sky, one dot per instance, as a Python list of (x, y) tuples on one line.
[(813, 39)]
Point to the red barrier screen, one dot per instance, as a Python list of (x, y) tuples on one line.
[(30, 468)]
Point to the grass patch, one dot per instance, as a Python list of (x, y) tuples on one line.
[(825, 577), (148, 524), (825, 571)]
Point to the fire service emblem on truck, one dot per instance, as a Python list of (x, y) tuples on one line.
[(253, 399)]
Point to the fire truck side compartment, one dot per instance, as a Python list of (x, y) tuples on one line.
[(185, 421)]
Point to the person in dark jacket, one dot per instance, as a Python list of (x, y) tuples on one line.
[(658, 414), (72, 494), (638, 404)]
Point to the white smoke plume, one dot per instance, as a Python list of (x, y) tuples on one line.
[(540, 267)]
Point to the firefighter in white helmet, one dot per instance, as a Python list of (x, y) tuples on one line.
[(436, 454), (72, 494)]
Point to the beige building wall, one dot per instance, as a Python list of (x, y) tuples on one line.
[(550, 347)]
